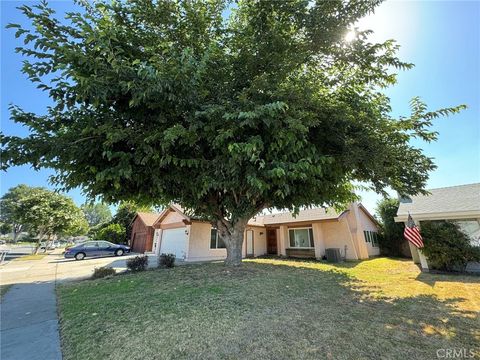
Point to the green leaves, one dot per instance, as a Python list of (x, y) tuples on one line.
[(43, 212), (171, 101)]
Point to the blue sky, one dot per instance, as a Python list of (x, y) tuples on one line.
[(441, 38)]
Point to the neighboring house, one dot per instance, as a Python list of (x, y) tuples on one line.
[(142, 232), (460, 204), (353, 231)]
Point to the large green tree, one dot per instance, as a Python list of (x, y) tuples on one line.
[(47, 213), (225, 107)]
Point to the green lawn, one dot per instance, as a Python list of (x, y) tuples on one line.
[(4, 289), (271, 309), (31, 257)]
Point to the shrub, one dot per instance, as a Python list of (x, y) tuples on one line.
[(166, 260), (138, 263), (391, 240), (114, 233), (102, 272), (446, 246)]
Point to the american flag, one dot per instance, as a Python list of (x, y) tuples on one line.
[(412, 233)]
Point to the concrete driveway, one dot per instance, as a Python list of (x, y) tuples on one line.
[(53, 267), (29, 322)]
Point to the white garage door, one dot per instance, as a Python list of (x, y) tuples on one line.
[(174, 241)]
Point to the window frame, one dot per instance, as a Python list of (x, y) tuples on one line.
[(311, 239), (216, 240), (371, 237)]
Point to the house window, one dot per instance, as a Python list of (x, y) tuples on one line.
[(371, 237), (215, 241), (301, 238)]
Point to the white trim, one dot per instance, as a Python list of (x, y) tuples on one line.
[(451, 215)]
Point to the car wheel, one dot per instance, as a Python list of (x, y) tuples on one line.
[(119, 252), (80, 256)]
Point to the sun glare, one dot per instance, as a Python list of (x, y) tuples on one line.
[(350, 36)]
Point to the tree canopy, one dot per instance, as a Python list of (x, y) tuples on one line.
[(96, 214), (114, 233), (11, 211), (45, 213), (125, 214), (224, 107)]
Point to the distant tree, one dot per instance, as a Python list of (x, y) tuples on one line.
[(48, 213), (392, 242), (173, 101), (96, 214), (11, 212), (5, 228), (114, 233)]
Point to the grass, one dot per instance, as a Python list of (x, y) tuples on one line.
[(32, 257), (271, 309), (4, 289)]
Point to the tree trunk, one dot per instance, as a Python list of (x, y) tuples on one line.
[(17, 229), (40, 237), (232, 236)]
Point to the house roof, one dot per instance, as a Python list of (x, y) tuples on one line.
[(148, 218), (172, 207), (306, 215), (313, 214), (455, 202)]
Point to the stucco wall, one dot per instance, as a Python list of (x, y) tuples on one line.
[(199, 244), (259, 241), (337, 235), (318, 240), (172, 218)]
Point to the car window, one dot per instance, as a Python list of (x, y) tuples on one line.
[(90, 245), (104, 244)]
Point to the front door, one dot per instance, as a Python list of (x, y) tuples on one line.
[(272, 241), (249, 243)]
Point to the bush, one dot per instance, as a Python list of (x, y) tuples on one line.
[(138, 263), (102, 272), (446, 246), (391, 239), (166, 260), (114, 233)]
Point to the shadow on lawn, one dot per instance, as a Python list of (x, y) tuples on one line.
[(432, 278), (259, 311), (424, 321)]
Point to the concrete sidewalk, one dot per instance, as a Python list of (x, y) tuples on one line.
[(29, 323)]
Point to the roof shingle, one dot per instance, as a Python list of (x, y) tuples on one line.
[(454, 199), (148, 218), (313, 214)]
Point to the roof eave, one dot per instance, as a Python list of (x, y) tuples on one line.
[(451, 215)]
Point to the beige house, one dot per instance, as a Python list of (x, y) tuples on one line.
[(460, 204), (353, 231)]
